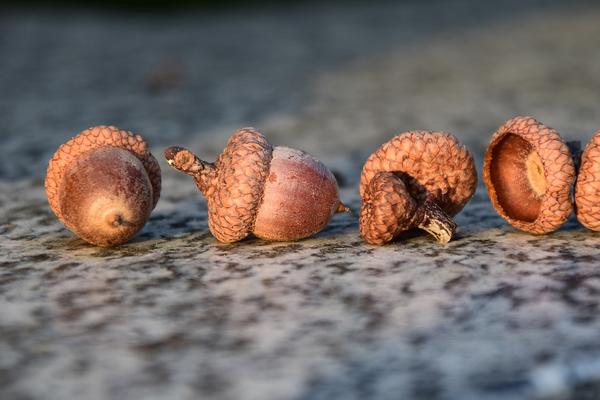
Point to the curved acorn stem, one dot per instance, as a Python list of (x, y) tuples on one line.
[(187, 162), (432, 219)]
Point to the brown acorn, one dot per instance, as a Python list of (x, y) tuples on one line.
[(419, 180), (276, 193), (529, 171), (587, 188), (103, 184)]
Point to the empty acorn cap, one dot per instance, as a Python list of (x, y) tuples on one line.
[(529, 171), (79, 148), (431, 171), (587, 189)]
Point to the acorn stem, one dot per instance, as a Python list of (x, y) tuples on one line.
[(436, 222), (203, 177), (187, 162)]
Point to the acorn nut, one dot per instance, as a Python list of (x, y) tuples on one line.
[(587, 188), (419, 180), (275, 193), (529, 171), (103, 184)]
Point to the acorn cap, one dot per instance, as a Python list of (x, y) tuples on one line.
[(587, 189), (387, 209), (92, 138), (528, 171), (433, 165), (235, 197)]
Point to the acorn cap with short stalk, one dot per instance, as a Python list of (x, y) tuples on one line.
[(417, 179), (276, 193)]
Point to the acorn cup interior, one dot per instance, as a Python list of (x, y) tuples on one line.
[(517, 173)]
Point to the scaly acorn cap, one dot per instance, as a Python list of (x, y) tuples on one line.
[(587, 188), (236, 195), (387, 209), (529, 172), (93, 138), (431, 170)]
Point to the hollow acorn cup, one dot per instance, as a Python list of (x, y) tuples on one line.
[(103, 184), (587, 188), (419, 180), (529, 171), (275, 193)]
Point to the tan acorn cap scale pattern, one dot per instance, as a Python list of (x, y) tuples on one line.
[(529, 173), (276, 193), (96, 143), (418, 179), (587, 189)]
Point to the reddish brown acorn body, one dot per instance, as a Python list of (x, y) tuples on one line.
[(529, 173), (419, 180), (276, 193), (103, 184), (300, 196)]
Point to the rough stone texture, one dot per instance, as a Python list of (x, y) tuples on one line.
[(495, 314)]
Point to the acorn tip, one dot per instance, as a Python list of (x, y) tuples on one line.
[(342, 208)]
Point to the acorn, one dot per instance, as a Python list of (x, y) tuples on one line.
[(529, 171), (102, 185), (587, 188), (418, 180), (276, 193)]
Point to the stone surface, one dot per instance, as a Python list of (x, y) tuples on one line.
[(495, 314)]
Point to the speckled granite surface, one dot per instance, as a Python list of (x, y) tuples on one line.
[(495, 314)]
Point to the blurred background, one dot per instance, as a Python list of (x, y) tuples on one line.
[(334, 78)]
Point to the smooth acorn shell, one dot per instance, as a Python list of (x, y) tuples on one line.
[(299, 198), (91, 160), (106, 196)]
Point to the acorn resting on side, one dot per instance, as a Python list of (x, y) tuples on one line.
[(587, 189), (275, 193), (529, 172), (103, 184), (419, 180)]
